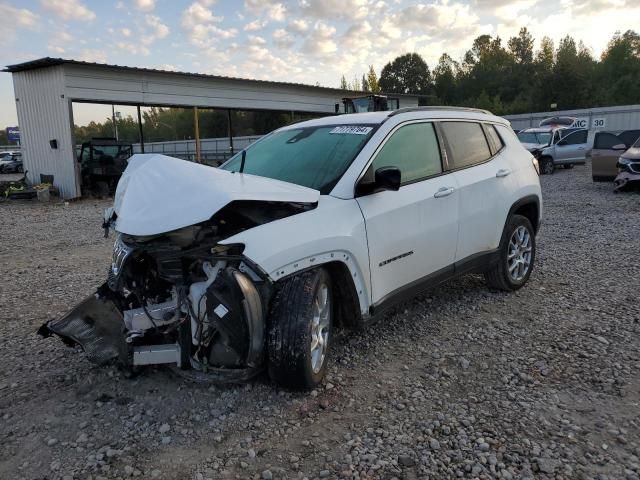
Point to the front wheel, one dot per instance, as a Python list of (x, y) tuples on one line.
[(517, 253), (299, 333), (546, 165)]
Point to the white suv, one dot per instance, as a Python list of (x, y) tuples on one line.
[(319, 224)]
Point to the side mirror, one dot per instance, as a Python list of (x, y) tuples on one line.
[(562, 143), (388, 178), (619, 147)]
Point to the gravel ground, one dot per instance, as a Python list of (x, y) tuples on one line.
[(459, 383)]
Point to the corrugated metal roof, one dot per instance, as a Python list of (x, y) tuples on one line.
[(50, 62)]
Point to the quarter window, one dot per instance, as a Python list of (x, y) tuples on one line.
[(467, 143), (414, 150), (495, 141)]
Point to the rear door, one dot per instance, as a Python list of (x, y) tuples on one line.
[(411, 233), (607, 148), (572, 148), (476, 155)]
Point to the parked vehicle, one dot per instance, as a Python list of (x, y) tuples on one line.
[(102, 161), (11, 163), (368, 103), (319, 224), (629, 169), (607, 148), (7, 158), (555, 146)]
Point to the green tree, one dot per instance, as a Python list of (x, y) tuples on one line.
[(365, 83), (372, 80), (619, 70), (343, 83), (408, 73), (445, 79)]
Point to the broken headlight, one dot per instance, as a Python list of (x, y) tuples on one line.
[(121, 253)]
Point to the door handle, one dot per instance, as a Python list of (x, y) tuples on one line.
[(503, 172), (443, 192), (580, 148)]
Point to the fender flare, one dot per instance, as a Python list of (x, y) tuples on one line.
[(312, 261), (529, 199)]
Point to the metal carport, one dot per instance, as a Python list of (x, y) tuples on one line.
[(46, 88)]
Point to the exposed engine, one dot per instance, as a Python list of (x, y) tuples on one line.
[(180, 298)]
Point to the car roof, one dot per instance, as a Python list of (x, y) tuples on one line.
[(413, 113)]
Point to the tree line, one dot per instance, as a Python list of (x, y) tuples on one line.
[(514, 78)]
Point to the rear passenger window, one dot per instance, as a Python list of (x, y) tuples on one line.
[(576, 138), (414, 150), (605, 140), (467, 143), (495, 142)]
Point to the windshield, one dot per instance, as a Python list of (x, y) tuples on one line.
[(535, 137), (314, 157)]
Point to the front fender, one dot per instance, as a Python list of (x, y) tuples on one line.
[(332, 232)]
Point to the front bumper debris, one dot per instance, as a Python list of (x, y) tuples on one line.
[(96, 325)]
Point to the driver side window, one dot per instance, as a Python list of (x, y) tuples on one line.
[(414, 150)]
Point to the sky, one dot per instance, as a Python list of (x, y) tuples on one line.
[(307, 41)]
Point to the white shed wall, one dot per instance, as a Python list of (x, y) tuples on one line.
[(153, 88), (43, 115)]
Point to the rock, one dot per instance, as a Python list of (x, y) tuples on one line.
[(164, 428), (267, 475), (406, 461), (547, 465)]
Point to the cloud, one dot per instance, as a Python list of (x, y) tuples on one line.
[(59, 42), (273, 9), (146, 5), (199, 23), (14, 19), (333, 9), (157, 29), (255, 25), (68, 9), (282, 38), (92, 55), (320, 40)]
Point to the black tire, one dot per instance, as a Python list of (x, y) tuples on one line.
[(290, 330), (499, 277), (547, 166)]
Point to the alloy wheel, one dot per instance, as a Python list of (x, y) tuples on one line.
[(320, 326), (519, 256)]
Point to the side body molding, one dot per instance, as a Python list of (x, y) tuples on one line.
[(332, 232)]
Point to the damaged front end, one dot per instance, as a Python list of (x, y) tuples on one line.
[(174, 293), (180, 298)]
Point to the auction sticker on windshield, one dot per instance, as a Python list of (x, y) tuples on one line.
[(352, 130)]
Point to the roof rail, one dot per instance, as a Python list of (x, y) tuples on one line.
[(436, 108)]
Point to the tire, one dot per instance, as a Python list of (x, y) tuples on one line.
[(568, 166), (296, 323), (546, 166), (500, 276)]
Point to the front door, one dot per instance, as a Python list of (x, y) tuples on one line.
[(412, 232), (572, 148), (607, 148)]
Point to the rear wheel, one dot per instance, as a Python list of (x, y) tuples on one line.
[(300, 326), (517, 253), (546, 165)]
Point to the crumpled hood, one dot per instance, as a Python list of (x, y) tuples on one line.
[(158, 194), (534, 146)]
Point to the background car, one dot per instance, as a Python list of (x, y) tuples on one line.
[(555, 146), (607, 149), (11, 162)]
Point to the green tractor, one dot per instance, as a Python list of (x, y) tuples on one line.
[(102, 161), (368, 103)]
